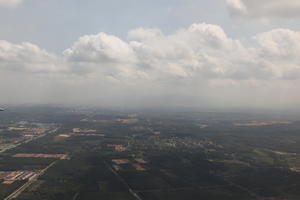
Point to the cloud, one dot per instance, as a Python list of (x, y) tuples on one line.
[(200, 63), (101, 48), (10, 3), (102, 54), (264, 9), (237, 7), (187, 53), (279, 51), (152, 54), (26, 57), (202, 51)]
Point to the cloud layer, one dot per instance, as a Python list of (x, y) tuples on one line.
[(26, 57), (200, 62), (10, 3), (264, 9), (202, 51)]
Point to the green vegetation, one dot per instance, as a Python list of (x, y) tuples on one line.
[(166, 156), (7, 189)]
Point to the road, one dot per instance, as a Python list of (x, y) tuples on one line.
[(16, 193), (26, 141), (123, 181)]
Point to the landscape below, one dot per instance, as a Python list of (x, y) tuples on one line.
[(50, 153)]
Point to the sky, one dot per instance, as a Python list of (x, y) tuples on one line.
[(160, 53)]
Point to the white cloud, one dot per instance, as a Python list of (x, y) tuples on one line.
[(198, 61), (264, 8), (10, 3), (101, 48), (279, 50), (102, 54), (187, 53), (200, 52), (237, 7), (26, 57)]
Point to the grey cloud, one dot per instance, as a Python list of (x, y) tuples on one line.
[(264, 9), (10, 3)]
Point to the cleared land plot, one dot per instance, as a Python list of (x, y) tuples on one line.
[(25, 155)]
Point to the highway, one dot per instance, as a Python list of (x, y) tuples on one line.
[(29, 140), (16, 193), (132, 192)]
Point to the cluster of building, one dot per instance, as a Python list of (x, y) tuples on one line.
[(117, 147), (16, 133), (10, 177), (29, 131)]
